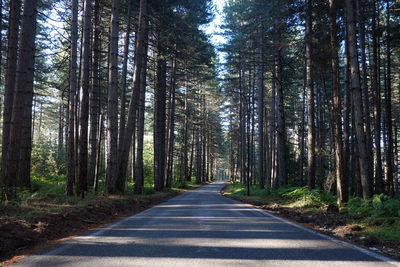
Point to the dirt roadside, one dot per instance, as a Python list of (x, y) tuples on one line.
[(330, 223), (19, 238)]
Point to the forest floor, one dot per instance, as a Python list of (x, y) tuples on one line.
[(337, 224), (35, 224)]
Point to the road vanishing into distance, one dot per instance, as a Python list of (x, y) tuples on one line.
[(203, 228)]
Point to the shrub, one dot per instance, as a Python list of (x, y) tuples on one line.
[(312, 196), (379, 206)]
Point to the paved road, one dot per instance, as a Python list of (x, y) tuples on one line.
[(203, 228)]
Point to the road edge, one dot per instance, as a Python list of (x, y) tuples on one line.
[(365, 251)]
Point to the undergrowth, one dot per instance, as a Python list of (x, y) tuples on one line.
[(379, 216), (300, 196), (47, 195)]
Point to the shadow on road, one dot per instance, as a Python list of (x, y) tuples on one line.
[(204, 225)]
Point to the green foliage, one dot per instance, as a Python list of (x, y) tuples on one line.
[(235, 188), (315, 197), (148, 158), (46, 161), (148, 190), (180, 185), (380, 213), (385, 232), (379, 206), (299, 196), (50, 187)]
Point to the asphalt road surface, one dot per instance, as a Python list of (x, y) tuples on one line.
[(203, 228)]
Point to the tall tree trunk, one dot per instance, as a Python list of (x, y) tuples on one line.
[(20, 146), (124, 74), (281, 128), (185, 138), (261, 151), (171, 134), (248, 127), (98, 156), (302, 135), (113, 185), (272, 155), (159, 122), (1, 45), (364, 90), (139, 75), (341, 183), (203, 138), (311, 164), (377, 103), (95, 92), (346, 114), (81, 186), (388, 112), (9, 87), (198, 157), (139, 165), (71, 144), (242, 119), (357, 100), (189, 177), (1, 66), (266, 148), (319, 132)]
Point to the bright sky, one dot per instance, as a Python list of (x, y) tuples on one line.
[(214, 30), (214, 27)]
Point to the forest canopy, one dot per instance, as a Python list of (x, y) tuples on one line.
[(124, 96), (108, 96)]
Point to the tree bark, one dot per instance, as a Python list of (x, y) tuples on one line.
[(388, 108), (272, 149), (9, 87), (20, 146), (95, 92), (1, 51), (98, 156), (171, 134), (357, 100), (81, 186), (311, 163), (159, 123), (261, 89), (139, 80), (124, 74), (341, 184), (198, 157), (364, 90), (190, 171), (139, 165), (280, 125), (346, 115), (71, 145), (185, 151), (113, 185), (377, 103)]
